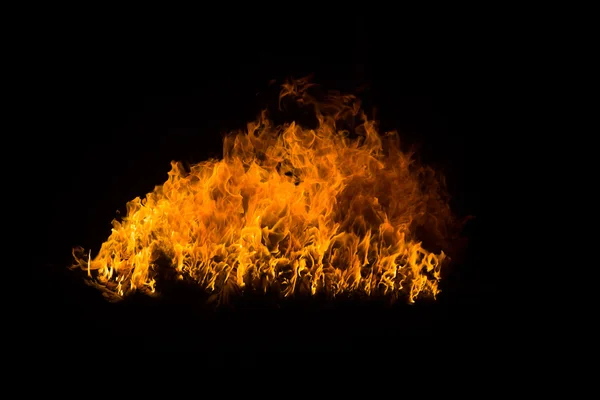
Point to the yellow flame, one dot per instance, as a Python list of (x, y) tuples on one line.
[(288, 209)]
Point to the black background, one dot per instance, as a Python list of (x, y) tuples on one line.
[(120, 101)]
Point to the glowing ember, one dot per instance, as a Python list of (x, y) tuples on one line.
[(288, 209)]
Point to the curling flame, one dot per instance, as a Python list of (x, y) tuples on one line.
[(287, 209)]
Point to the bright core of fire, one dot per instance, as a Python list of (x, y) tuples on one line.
[(290, 210)]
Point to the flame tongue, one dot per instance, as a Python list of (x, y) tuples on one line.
[(287, 209)]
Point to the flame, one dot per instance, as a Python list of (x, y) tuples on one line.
[(288, 209)]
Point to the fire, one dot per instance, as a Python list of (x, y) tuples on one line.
[(288, 209)]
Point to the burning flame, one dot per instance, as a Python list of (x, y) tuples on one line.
[(288, 209)]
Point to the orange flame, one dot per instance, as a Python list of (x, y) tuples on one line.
[(288, 209)]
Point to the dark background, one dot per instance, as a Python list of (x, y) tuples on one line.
[(120, 102)]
